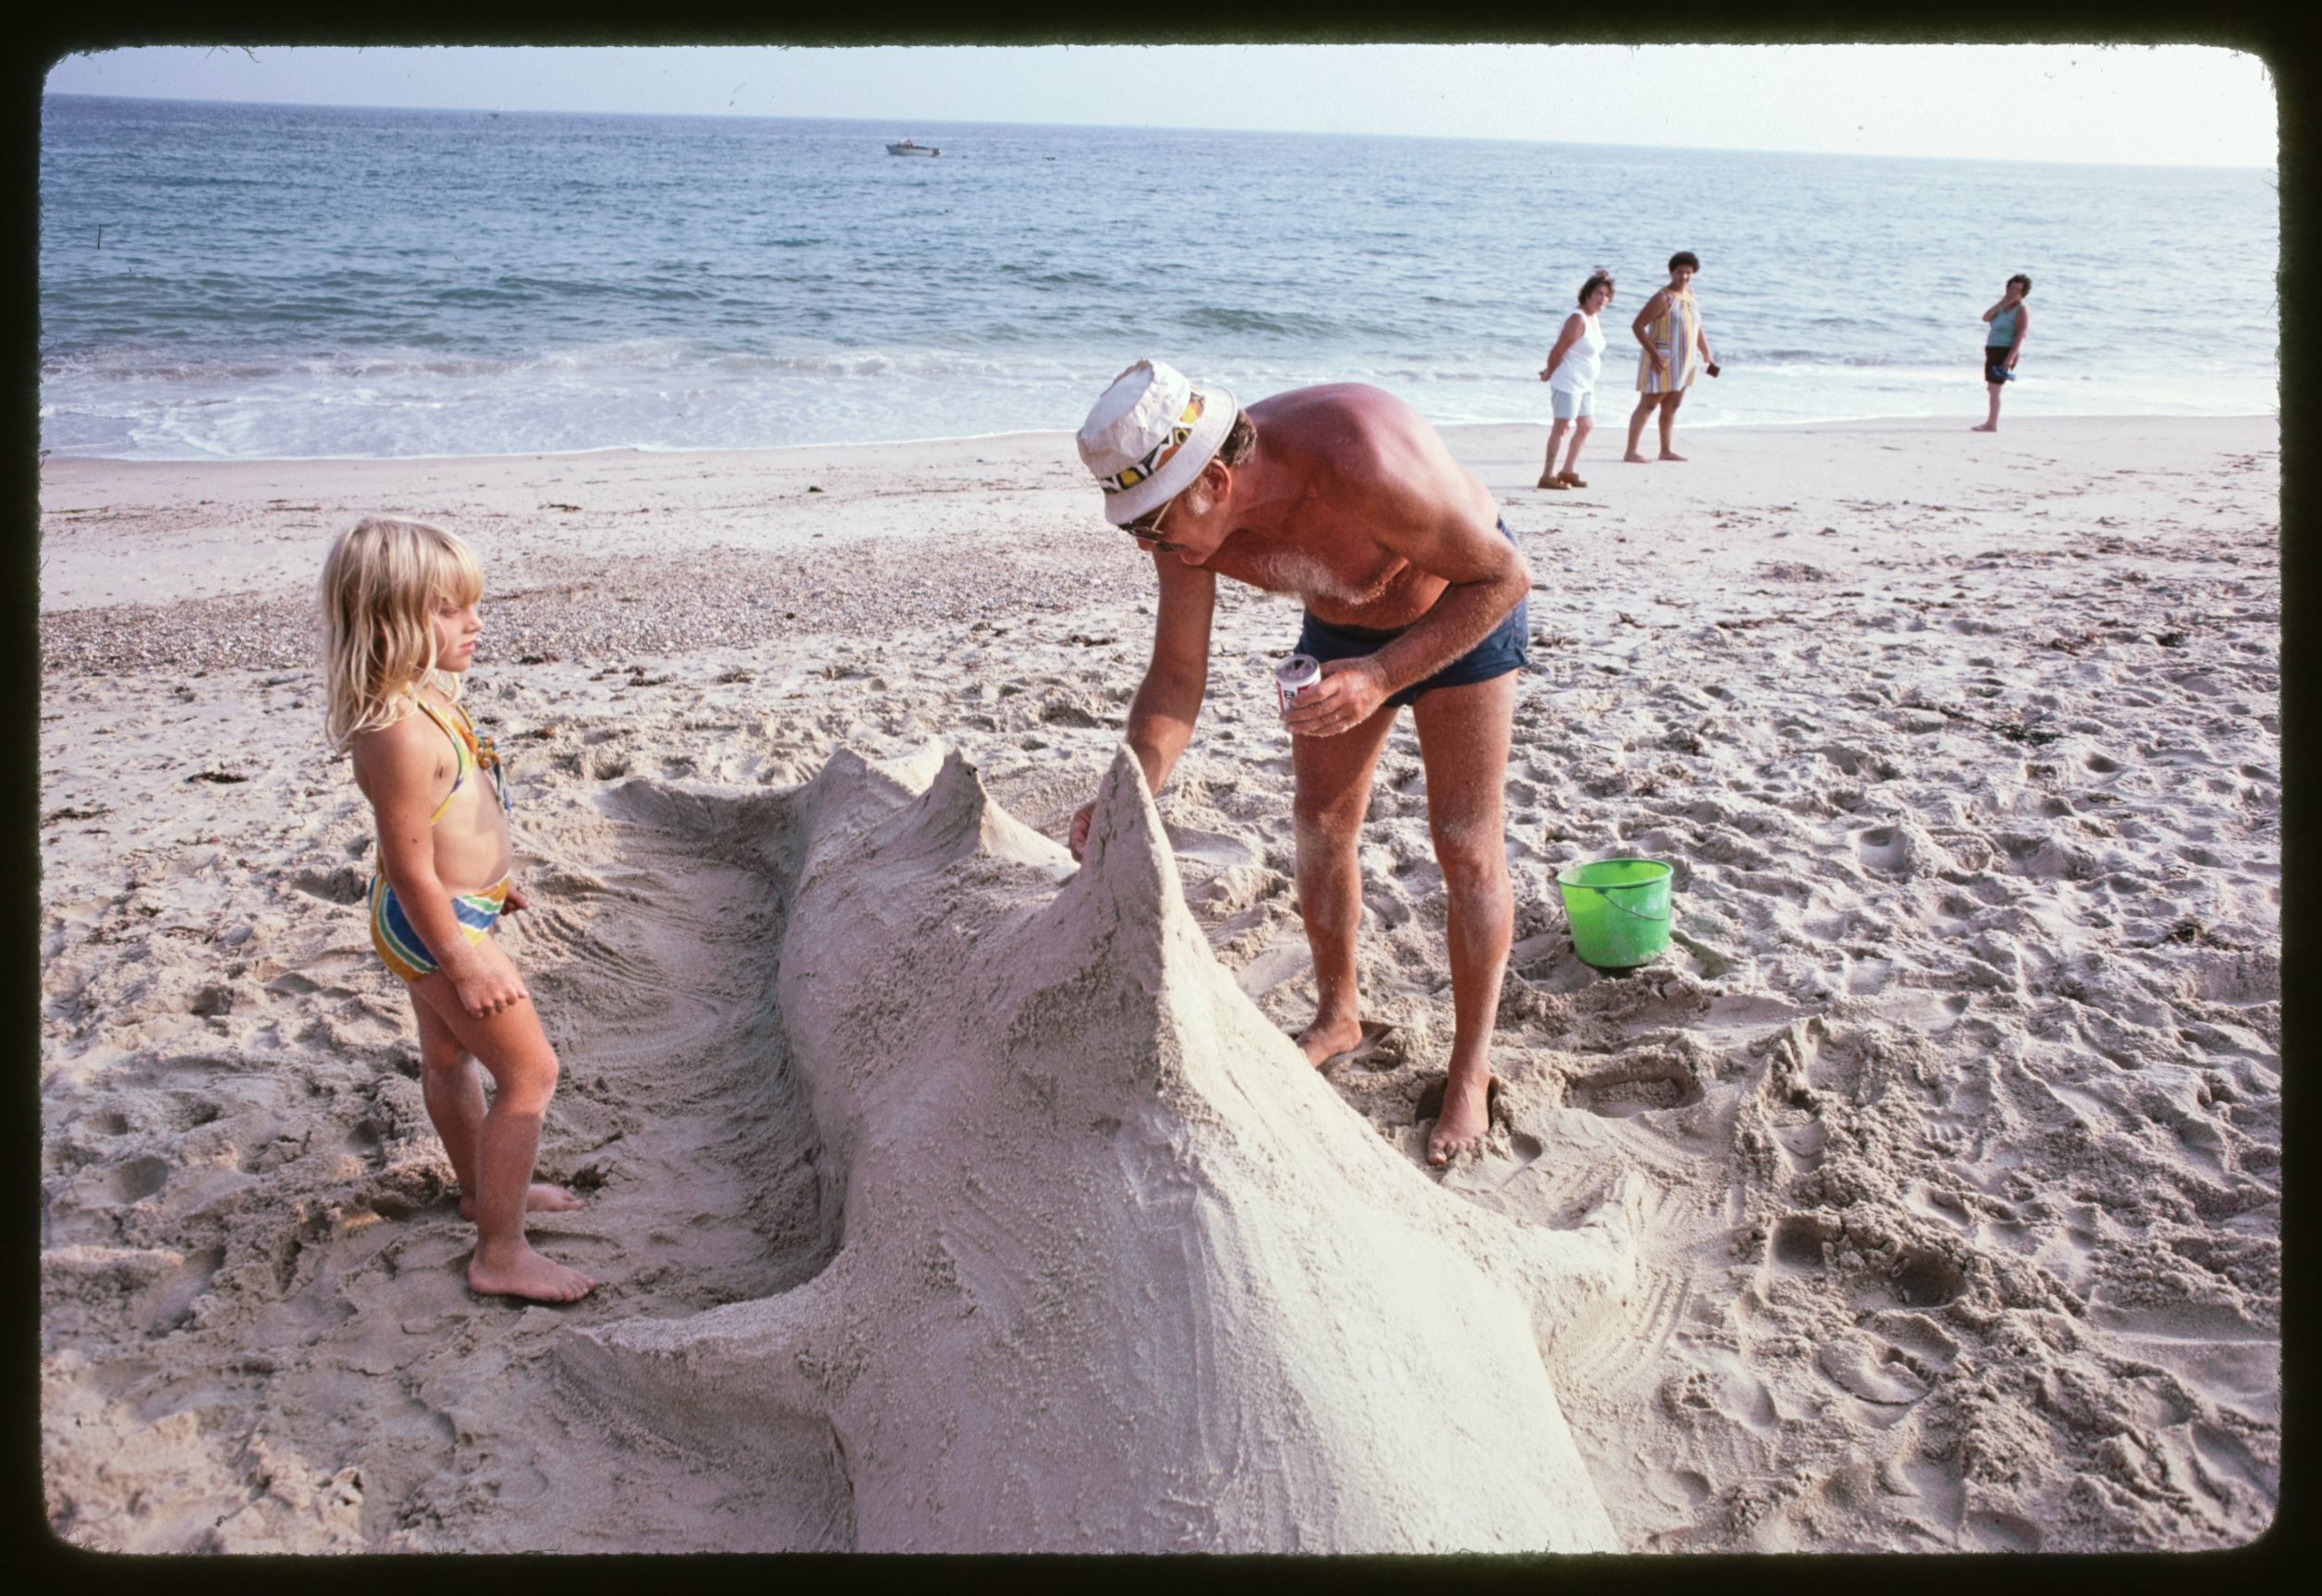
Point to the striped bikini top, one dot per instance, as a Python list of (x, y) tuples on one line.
[(470, 750)]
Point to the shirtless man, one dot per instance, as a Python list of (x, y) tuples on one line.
[(1413, 594)]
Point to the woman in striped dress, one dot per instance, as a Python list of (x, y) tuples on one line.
[(1675, 346)]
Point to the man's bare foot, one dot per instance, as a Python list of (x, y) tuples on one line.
[(1986, 427), (541, 1198), (1633, 458), (1321, 1043), (1671, 455), (1460, 1127), (529, 1275)]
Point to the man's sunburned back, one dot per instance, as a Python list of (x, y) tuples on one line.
[(1335, 466)]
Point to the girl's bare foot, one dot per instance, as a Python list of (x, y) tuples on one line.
[(541, 1198), (1986, 427), (1633, 458), (1321, 1042), (527, 1275), (1671, 455)]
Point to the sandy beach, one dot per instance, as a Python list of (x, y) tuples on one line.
[(1954, 1102)]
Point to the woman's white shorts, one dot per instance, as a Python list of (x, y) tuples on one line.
[(1566, 407)]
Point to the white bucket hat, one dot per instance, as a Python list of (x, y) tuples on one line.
[(1149, 435)]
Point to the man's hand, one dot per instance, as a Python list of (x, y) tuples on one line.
[(1351, 692), (1077, 839)]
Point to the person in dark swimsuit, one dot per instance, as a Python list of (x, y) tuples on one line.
[(2010, 319)]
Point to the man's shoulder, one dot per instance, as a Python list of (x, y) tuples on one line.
[(1336, 411), (1322, 398)]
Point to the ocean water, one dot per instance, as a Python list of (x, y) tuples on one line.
[(240, 282)]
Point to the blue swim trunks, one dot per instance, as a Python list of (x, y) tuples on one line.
[(1507, 647)]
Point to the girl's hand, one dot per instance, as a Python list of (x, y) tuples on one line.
[(1658, 364), (1351, 692), (1077, 838), (516, 901), (489, 988)]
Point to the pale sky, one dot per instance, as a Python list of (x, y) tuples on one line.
[(2134, 104)]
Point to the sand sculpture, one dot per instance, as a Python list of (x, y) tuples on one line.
[(1118, 1272)]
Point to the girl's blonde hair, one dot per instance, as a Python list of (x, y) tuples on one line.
[(381, 584)]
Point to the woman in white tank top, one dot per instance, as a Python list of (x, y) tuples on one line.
[(1570, 376)]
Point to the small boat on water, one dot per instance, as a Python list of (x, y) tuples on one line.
[(908, 148)]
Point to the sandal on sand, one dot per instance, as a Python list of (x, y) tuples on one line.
[(1556, 481), (1374, 1035), (1567, 479)]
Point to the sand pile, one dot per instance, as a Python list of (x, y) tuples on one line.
[(1119, 1271)]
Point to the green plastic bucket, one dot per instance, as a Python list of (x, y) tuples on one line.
[(1619, 909)]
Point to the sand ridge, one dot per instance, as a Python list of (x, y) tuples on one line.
[(1956, 1102)]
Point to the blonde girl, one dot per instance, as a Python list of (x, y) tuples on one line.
[(400, 622)]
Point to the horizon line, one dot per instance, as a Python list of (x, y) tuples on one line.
[(2273, 168)]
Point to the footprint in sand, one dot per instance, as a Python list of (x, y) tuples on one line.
[(1803, 1244), (1870, 1370), (1643, 1086), (167, 1304), (138, 1179), (346, 883), (1885, 849), (1924, 1278), (1995, 1531)]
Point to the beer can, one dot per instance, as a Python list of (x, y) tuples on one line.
[(1294, 675)]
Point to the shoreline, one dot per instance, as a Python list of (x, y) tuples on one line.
[(1448, 428), (191, 524), (1959, 1085)]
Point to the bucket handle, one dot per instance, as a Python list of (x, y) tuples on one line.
[(1624, 908)]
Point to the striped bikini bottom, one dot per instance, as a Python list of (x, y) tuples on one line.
[(399, 947)]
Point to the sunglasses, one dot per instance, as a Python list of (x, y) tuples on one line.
[(1147, 528)]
